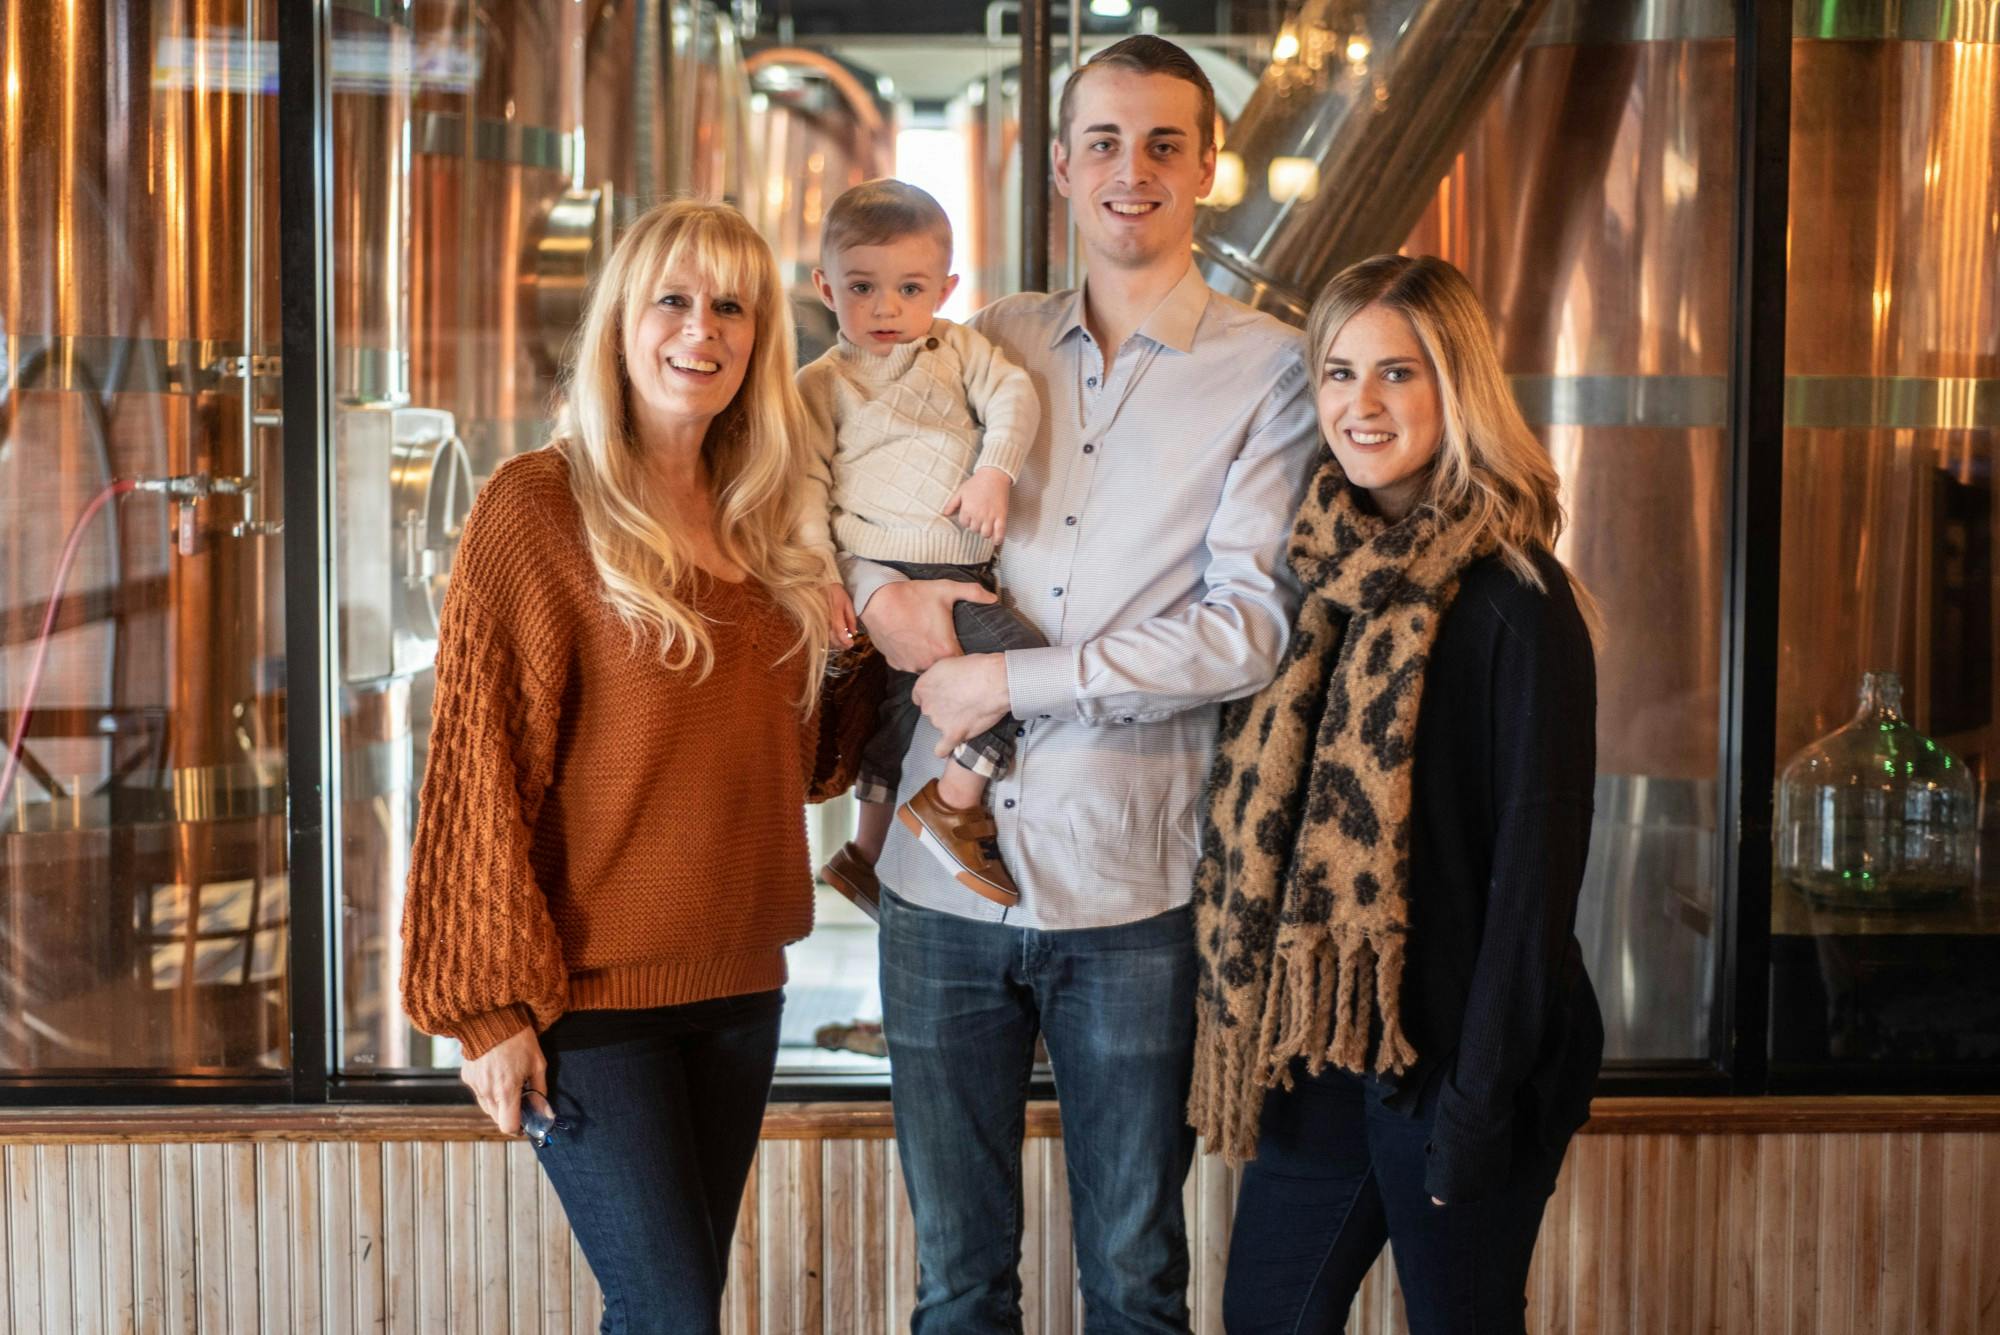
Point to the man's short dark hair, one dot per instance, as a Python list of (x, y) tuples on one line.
[(877, 212), (1145, 54)]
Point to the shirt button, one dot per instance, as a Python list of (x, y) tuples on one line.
[(930, 344), (1057, 590), (1090, 449), (1008, 803), (1092, 382), (1071, 520), (1020, 730)]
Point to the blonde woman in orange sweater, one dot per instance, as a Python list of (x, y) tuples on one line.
[(611, 852)]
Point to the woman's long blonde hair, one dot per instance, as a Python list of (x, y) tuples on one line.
[(1489, 466), (755, 449)]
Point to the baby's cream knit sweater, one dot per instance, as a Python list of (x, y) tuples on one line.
[(894, 435)]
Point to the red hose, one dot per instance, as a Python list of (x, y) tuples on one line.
[(117, 488)]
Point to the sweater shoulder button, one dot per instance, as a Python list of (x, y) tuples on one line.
[(930, 344)]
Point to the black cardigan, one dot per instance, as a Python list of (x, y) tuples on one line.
[(1495, 997)]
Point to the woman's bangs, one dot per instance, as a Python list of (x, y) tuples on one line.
[(719, 257)]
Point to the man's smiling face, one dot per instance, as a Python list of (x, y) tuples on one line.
[(1131, 164)]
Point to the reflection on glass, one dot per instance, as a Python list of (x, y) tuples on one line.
[(1588, 187), (143, 894), (1892, 437), (1591, 206), (478, 173)]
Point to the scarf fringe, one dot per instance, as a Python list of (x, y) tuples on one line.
[(1226, 1096), (1326, 991), (1329, 988)]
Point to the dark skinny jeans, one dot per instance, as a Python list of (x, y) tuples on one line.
[(1337, 1175), (665, 1106)]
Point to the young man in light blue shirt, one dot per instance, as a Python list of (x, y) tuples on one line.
[(1146, 542)]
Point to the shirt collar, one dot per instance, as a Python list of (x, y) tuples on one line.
[(1172, 323)]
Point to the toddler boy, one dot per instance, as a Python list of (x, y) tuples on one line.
[(921, 427)]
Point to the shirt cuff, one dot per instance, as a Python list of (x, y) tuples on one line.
[(478, 1034), (865, 579), (1041, 683)]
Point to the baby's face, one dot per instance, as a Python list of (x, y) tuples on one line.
[(887, 294)]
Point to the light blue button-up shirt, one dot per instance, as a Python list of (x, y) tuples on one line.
[(1146, 540)]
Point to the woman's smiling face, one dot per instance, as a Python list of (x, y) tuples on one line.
[(687, 346), (1380, 408)]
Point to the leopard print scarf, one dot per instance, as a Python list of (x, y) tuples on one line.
[(1301, 893)]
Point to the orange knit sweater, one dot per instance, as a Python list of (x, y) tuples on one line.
[(597, 831)]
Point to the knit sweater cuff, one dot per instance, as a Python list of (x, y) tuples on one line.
[(1007, 452), (478, 1034), (942, 543)]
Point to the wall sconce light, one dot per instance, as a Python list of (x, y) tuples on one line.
[(1291, 180)]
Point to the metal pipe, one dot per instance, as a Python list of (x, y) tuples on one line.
[(1073, 276), (1349, 132), (1034, 94), (253, 168)]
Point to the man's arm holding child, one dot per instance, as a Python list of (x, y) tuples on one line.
[(1223, 646)]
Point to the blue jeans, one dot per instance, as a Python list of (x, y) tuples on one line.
[(961, 1004), (665, 1107), (1337, 1174)]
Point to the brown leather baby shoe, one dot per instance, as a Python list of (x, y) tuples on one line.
[(964, 841), (848, 872)]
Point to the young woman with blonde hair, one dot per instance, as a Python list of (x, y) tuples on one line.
[(1393, 1020), (611, 857)]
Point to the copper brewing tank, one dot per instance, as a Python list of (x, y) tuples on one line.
[(1592, 209), (532, 127), (1579, 169), (491, 146), (142, 886), (1591, 200), (818, 128)]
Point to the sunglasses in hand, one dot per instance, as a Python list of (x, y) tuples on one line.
[(539, 1122)]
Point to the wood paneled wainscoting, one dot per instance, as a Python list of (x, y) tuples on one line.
[(1768, 1216)]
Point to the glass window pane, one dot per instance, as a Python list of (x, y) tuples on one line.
[(482, 158), (949, 108), (1600, 242), (461, 248), (1885, 918), (940, 110), (143, 889), (1589, 200)]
